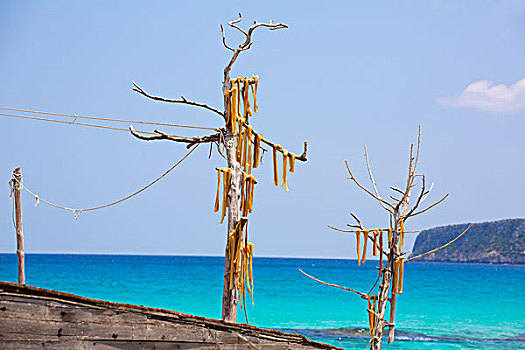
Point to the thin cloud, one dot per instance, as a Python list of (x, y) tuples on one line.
[(486, 96)]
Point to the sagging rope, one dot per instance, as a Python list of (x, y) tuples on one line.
[(78, 211)]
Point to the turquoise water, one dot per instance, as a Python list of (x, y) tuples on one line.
[(443, 306)]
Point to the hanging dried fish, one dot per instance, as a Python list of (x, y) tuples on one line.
[(250, 273), (275, 170), (240, 139), (254, 93), (375, 232), (252, 183), (248, 150), (365, 234), (233, 109), (401, 267), (292, 161), (402, 226), (380, 250), (216, 207), (243, 201), (257, 149), (245, 143), (247, 109), (395, 277), (285, 166), (239, 98), (358, 236), (226, 188)]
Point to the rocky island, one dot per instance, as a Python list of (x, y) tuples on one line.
[(501, 242)]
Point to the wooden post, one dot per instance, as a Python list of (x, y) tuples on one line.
[(17, 181)]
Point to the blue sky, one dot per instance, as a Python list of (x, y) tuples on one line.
[(343, 75)]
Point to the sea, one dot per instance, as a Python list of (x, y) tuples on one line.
[(443, 305)]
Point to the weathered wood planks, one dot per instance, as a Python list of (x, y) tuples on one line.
[(35, 318)]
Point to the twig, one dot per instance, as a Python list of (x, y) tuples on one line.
[(443, 246), (181, 100), (397, 190), (366, 190), (377, 280), (420, 197), (357, 220), (351, 231), (429, 207), (427, 193), (224, 40), (363, 295), (373, 181)]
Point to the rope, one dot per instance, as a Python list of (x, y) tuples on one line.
[(107, 119), (78, 211), (73, 122)]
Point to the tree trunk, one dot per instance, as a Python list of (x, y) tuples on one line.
[(230, 296), (384, 289)]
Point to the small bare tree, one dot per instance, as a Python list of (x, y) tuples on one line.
[(238, 140), (390, 272)]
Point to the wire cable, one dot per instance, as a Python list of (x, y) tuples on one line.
[(106, 119), (74, 123)]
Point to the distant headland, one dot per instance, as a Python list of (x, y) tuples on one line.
[(498, 242)]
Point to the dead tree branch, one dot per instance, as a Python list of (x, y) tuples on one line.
[(373, 181), (181, 100), (246, 45), (390, 210), (429, 207), (363, 295), (443, 246), (189, 140)]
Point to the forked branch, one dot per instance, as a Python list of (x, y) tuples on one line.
[(246, 45), (391, 207), (182, 100), (429, 207)]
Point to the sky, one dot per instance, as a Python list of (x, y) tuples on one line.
[(343, 75)]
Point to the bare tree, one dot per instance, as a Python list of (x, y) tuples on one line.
[(237, 140), (390, 272)]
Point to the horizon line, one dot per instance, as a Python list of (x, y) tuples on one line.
[(185, 255)]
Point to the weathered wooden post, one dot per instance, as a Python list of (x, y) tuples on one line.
[(17, 185)]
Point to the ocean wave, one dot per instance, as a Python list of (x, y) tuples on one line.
[(347, 333)]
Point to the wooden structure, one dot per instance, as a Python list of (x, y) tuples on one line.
[(35, 318), (236, 138), (16, 185)]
